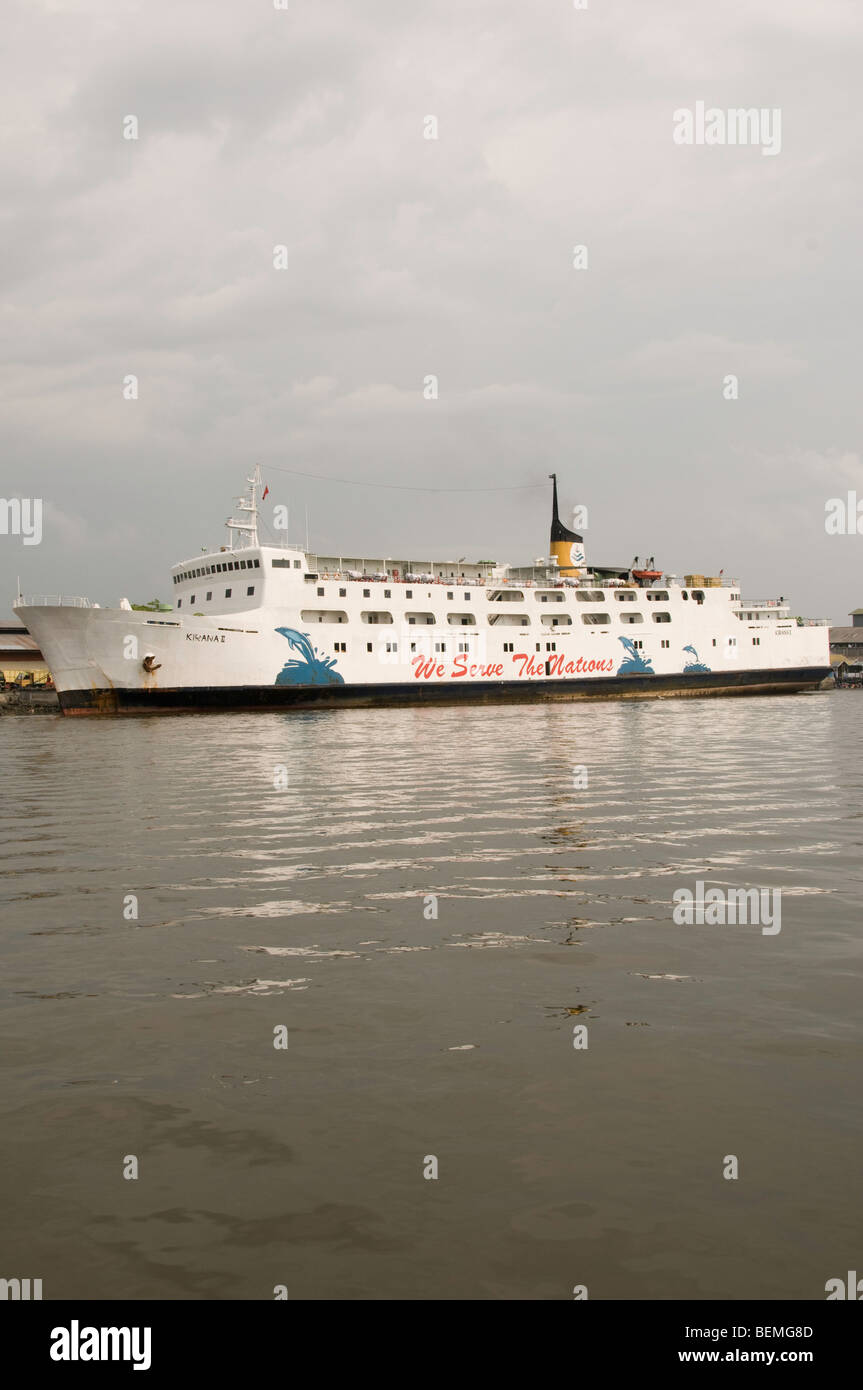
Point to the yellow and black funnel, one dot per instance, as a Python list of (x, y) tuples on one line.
[(566, 546)]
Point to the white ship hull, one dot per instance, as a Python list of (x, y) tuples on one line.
[(312, 651)]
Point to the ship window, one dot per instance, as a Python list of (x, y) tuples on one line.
[(590, 595), (756, 641), (376, 617), (563, 621), (209, 595), (392, 646), (467, 598), (250, 591), (656, 595), (698, 595), (632, 617), (440, 646), (192, 599), (595, 619), (663, 643), (551, 646), (449, 593), (684, 594), (625, 595), (409, 593), (388, 593), (639, 645), (242, 564), (367, 593), (296, 564), (368, 646), (322, 615), (714, 641), (343, 593), (661, 617), (509, 646), (464, 646), (538, 646), (179, 603), (427, 618), (227, 594), (460, 619), (320, 593)]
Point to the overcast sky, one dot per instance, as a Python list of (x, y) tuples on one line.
[(409, 257)]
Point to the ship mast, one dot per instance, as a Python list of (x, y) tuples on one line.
[(245, 527)]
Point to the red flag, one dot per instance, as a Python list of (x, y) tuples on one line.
[(264, 493)]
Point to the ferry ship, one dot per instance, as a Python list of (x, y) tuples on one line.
[(256, 626)]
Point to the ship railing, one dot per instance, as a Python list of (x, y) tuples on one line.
[(51, 601), (761, 603), (813, 622)]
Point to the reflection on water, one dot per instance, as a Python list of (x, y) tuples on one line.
[(431, 907)]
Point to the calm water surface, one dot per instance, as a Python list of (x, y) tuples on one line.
[(412, 1035)]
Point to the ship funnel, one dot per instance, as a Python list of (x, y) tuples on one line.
[(567, 547)]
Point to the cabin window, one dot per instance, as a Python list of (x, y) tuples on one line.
[(509, 646), (343, 593), (656, 595), (714, 641), (464, 646), (409, 593), (664, 643), (388, 593), (192, 599), (595, 619), (228, 593), (467, 598), (684, 594), (440, 646), (427, 618), (379, 616), (590, 595), (250, 591), (551, 646), (449, 593), (756, 641), (392, 646), (340, 647), (413, 646), (460, 619), (639, 645), (320, 593), (209, 595), (368, 646), (625, 595), (698, 595), (661, 617), (179, 603), (367, 593), (632, 617)]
